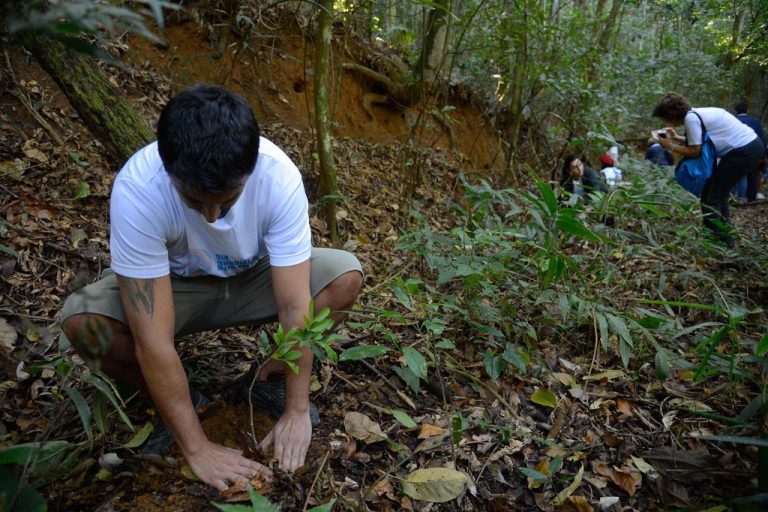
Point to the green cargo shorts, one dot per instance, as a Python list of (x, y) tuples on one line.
[(207, 303)]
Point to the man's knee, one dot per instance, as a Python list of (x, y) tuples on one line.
[(94, 337), (342, 292)]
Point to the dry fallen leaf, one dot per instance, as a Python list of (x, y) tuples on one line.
[(576, 504), (624, 406), (362, 427), (8, 336), (437, 485), (239, 490), (566, 493), (626, 478), (428, 430), (607, 375)]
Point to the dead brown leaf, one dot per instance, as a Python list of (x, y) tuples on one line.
[(8, 336), (428, 430), (576, 504), (362, 427), (626, 478), (239, 491), (625, 406)]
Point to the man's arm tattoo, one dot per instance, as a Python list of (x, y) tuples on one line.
[(141, 292)]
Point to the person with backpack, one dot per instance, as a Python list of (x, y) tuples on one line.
[(736, 145)]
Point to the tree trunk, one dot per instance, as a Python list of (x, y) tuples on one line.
[(328, 188), (103, 109), (433, 49)]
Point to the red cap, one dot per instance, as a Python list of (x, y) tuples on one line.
[(606, 159)]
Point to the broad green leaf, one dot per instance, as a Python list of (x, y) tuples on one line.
[(33, 452), (651, 322), (545, 397), (8, 250), (536, 476), (27, 499), (445, 344), (434, 326), (762, 346), (602, 324), (362, 352), (572, 226), (415, 362), (437, 485), (140, 436), (548, 195), (513, 357), (82, 190), (403, 418), (403, 297), (493, 364), (83, 409), (408, 377), (662, 363)]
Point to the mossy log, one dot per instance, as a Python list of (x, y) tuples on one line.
[(103, 109)]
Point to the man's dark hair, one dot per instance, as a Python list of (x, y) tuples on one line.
[(672, 107), (741, 108), (208, 139)]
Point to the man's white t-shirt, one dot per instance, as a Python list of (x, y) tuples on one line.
[(724, 129), (612, 175), (153, 233)]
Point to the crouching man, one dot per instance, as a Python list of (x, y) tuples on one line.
[(209, 229)]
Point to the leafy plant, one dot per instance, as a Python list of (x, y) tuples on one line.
[(314, 335), (261, 504)]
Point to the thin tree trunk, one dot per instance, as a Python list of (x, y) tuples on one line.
[(103, 108), (434, 46), (328, 187)]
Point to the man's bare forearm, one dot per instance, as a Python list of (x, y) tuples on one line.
[(297, 385), (148, 305)]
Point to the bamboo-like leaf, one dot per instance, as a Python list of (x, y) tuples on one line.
[(83, 409), (362, 352), (106, 390), (140, 436), (403, 418)]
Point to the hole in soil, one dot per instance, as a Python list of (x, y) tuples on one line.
[(299, 85)]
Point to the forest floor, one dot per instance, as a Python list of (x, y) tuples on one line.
[(636, 451)]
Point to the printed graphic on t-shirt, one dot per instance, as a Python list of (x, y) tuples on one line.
[(225, 264)]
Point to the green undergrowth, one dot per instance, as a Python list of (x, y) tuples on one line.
[(631, 278)]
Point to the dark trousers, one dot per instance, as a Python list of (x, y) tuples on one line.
[(754, 179), (714, 199)]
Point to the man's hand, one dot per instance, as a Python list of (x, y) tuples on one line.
[(290, 437), (220, 467)]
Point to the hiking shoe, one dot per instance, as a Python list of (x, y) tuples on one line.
[(161, 440), (269, 395)]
